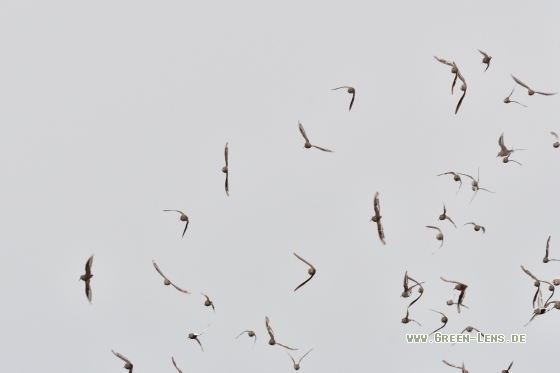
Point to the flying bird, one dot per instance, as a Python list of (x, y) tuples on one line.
[(408, 290), (296, 366), (456, 177), (406, 319), (444, 216), (128, 365), (225, 169), (463, 88), (475, 186), (545, 259), (176, 367), (530, 91), (506, 160), (462, 367), (486, 59), (476, 227), (537, 283), (556, 144), (208, 302), (377, 218), (196, 335), (311, 271), (444, 320), (507, 370), (307, 143), (504, 151), (439, 237), (182, 218), (469, 329), (272, 341), (352, 91), (87, 277), (166, 281), (462, 288), (507, 100), (454, 70), (250, 333)]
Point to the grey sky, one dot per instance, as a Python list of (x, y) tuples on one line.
[(114, 111)]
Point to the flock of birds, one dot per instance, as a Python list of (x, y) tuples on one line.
[(540, 307)]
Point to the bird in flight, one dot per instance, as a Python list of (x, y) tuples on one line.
[(225, 169), (175, 364), (296, 366), (476, 227), (166, 281), (444, 320), (184, 218), (272, 341), (463, 88), (462, 367), (556, 144), (444, 216), (208, 302), (311, 271), (439, 237), (87, 277), (529, 90), (251, 334), (486, 59), (545, 259), (507, 100), (454, 70), (352, 91), (462, 288), (307, 143), (456, 177), (504, 151), (128, 365), (196, 335), (475, 186), (377, 218)]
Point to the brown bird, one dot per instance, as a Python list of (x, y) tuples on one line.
[(504, 151), (556, 144), (420, 290), (486, 59), (87, 277), (250, 333), (462, 367), (127, 365), (444, 320), (311, 271), (296, 366), (456, 177), (166, 281), (540, 310), (554, 303), (444, 216), (463, 88), (545, 259), (454, 70), (352, 91), (196, 335), (537, 283), (475, 186), (408, 290), (476, 227), (530, 91), (469, 329), (225, 169), (176, 367), (208, 302), (507, 370), (439, 237), (377, 218), (307, 143), (182, 218), (406, 320), (507, 100), (462, 288), (506, 160), (272, 341)]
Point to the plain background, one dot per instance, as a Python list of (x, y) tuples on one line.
[(112, 111)]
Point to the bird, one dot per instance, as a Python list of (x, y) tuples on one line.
[(208, 302), (311, 271), (476, 227), (128, 365), (166, 281), (444, 216), (250, 333), (507, 100), (486, 59), (462, 367), (296, 366), (307, 143), (408, 290), (462, 288), (475, 186), (351, 91), (545, 259), (176, 367), (556, 144), (182, 218), (504, 151), (506, 160), (537, 284), (507, 370), (196, 335), (225, 169), (530, 91), (444, 320), (469, 329), (463, 88), (540, 310), (439, 237), (454, 70), (272, 341), (377, 218), (456, 177), (406, 319), (420, 290), (87, 277)]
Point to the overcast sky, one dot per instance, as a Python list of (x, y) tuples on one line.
[(112, 111)]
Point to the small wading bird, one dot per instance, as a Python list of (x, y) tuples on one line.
[(296, 366), (307, 143), (507, 100), (444, 320), (377, 218), (251, 334), (408, 290), (456, 177), (454, 70), (462, 289), (406, 320), (176, 367), (537, 283), (272, 341), (476, 227), (505, 152), (196, 335), (127, 365), (486, 59), (225, 169), (352, 91), (166, 281), (184, 218), (444, 216), (540, 310), (439, 237), (507, 370), (87, 277), (462, 367), (475, 186), (208, 302), (469, 329), (530, 91), (545, 259), (311, 271), (556, 144)]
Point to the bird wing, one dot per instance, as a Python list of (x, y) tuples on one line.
[(520, 82), (303, 260), (305, 282), (451, 365), (88, 291), (430, 226), (546, 94), (304, 356), (227, 184), (323, 149), (181, 290), (339, 88), (226, 153), (157, 269), (176, 367), (186, 226), (554, 134), (460, 102), (448, 218), (289, 348), (530, 274), (443, 61), (485, 55), (88, 265), (501, 142), (303, 132), (120, 356), (352, 103)]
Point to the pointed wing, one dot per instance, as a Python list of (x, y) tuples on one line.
[(460, 102), (443, 61), (227, 184), (555, 135), (158, 270), (89, 263), (430, 226), (546, 94), (352, 103), (303, 260), (334, 89), (485, 55), (88, 291), (304, 356), (302, 131), (323, 149), (520, 82), (178, 288), (501, 142), (186, 226), (120, 356), (176, 367), (226, 153), (305, 282), (289, 348)]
